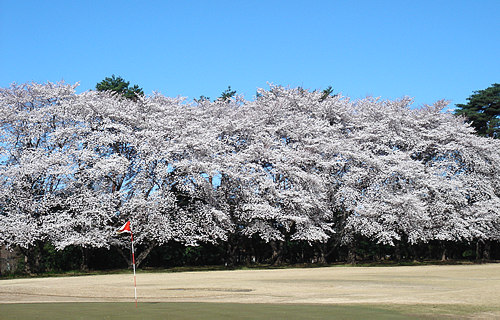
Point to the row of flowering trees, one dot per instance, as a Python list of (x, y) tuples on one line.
[(292, 165)]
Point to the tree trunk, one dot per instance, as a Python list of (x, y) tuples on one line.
[(487, 250), (127, 258), (397, 251), (277, 252), (415, 253), (27, 268), (32, 260), (351, 252), (139, 258), (144, 253), (231, 246), (443, 254), (322, 253), (479, 251), (249, 252), (84, 263)]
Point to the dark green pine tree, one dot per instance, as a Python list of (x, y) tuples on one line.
[(483, 110), (227, 94), (326, 93), (118, 84)]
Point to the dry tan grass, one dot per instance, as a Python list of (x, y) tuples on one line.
[(477, 285)]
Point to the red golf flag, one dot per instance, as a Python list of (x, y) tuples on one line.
[(125, 228)]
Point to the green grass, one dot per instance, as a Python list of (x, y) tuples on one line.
[(186, 311)]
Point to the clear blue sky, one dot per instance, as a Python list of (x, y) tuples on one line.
[(428, 50)]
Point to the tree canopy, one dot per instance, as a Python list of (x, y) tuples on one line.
[(287, 167), (483, 110), (227, 94), (119, 85)]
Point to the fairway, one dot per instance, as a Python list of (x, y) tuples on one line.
[(334, 292), (148, 310)]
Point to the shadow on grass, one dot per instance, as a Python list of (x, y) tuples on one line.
[(388, 263)]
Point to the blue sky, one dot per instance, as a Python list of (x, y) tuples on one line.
[(428, 50)]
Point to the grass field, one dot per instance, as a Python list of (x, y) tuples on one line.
[(461, 291), (190, 310)]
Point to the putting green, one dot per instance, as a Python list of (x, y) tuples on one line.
[(460, 291)]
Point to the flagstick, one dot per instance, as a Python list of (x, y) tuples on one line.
[(133, 263)]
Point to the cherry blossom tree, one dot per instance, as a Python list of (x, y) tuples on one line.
[(291, 166), (35, 164)]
